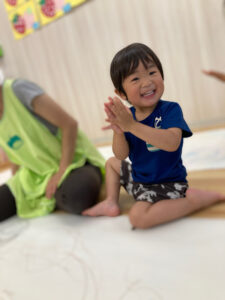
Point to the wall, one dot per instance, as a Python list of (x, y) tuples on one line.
[(70, 57)]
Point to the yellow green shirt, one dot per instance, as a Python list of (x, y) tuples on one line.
[(29, 144)]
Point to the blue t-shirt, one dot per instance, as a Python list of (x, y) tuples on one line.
[(152, 165)]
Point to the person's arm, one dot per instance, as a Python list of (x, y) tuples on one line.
[(164, 139), (120, 146), (14, 168), (44, 106), (217, 75), (5, 161)]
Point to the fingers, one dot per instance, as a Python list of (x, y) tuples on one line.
[(107, 127), (49, 192), (114, 127), (51, 188), (216, 74), (111, 100), (113, 109), (211, 73), (128, 110), (109, 111), (206, 72)]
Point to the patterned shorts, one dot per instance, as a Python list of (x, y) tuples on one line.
[(150, 192)]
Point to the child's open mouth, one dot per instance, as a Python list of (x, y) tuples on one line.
[(149, 93)]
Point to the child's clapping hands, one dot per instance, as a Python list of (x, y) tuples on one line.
[(118, 115)]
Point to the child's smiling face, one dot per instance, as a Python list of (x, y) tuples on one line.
[(144, 87)]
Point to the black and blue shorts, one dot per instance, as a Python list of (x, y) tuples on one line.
[(151, 193)]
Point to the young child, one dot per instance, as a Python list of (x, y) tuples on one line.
[(151, 133)]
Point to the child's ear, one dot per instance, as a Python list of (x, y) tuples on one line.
[(120, 94)]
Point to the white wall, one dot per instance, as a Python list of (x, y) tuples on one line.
[(70, 57)]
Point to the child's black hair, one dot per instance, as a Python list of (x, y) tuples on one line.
[(127, 60)]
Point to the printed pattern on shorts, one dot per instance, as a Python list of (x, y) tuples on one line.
[(150, 192)]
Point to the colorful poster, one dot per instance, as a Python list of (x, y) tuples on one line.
[(76, 2), (28, 15), (24, 19), (50, 10), (12, 4)]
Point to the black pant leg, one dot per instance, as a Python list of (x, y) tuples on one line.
[(7, 203), (80, 190)]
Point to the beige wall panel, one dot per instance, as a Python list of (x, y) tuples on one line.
[(70, 57)]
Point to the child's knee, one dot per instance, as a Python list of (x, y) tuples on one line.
[(110, 162), (137, 220), (113, 163)]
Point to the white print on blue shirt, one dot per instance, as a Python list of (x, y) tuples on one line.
[(157, 124)]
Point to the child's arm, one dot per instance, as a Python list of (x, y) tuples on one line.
[(120, 146), (164, 139)]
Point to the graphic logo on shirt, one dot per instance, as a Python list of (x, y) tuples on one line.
[(158, 121), (15, 142), (151, 148), (157, 124)]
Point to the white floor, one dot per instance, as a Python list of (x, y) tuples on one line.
[(70, 257), (61, 256)]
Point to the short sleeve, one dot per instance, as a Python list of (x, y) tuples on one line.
[(26, 91), (173, 117)]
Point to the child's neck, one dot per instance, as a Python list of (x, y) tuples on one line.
[(143, 113)]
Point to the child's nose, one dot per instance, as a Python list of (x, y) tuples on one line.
[(147, 81)]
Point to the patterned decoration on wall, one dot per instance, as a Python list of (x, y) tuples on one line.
[(24, 19), (12, 4), (50, 10), (28, 15)]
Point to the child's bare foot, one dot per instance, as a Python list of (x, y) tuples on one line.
[(105, 208), (209, 197)]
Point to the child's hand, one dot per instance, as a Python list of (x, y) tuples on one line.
[(111, 118), (120, 114), (115, 128)]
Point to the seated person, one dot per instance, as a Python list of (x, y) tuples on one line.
[(151, 133), (54, 163)]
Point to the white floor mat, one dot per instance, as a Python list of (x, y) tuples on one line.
[(70, 257), (4, 176), (203, 151)]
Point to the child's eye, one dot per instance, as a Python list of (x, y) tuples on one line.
[(134, 79), (152, 73)]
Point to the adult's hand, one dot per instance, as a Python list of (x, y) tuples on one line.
[(52, 185), (215, 74)]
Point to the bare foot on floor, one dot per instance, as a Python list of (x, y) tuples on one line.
[(206, 196), (104, 208)]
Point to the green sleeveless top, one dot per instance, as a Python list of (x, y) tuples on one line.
[(29, 144)]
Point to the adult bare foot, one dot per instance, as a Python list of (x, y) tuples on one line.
[(105, 208)]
